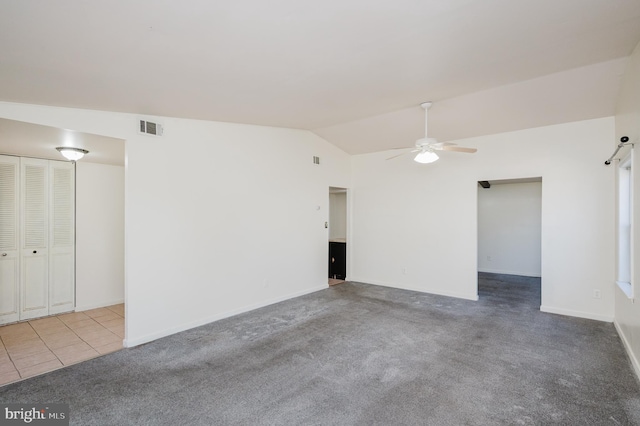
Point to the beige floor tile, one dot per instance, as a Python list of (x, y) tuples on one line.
[(9, 376), (56, 341), (13, 329), (18, 345), (108, 317), (98, 312), (102, 339), (32, 360), (83, 324), (6, 366), (27, 351), (40, 368), (47, 326), (25, 334), (55, 336), (77, 347), (90, 331), (119, 327), (118, 309), (73, 318), (111, 347), (4, 357), (112, 322), (13, 341), (43, 322), (54, 330), (75, 357), (86, 325), (118, 331)]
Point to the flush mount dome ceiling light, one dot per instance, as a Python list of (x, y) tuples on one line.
[(72, 154)]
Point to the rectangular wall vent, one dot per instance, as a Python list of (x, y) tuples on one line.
[(316, 160), (150, 128)]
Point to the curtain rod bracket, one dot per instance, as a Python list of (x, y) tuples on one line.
[(623, 141)]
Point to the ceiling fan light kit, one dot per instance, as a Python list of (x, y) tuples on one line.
[(426, 157), (426, 146)]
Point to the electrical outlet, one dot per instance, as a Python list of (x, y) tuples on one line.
[(596, 294)]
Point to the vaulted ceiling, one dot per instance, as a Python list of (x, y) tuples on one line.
[(353, 71)]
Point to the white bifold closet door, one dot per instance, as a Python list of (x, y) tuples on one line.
[(34, 253), (9, 237), (38, 275)]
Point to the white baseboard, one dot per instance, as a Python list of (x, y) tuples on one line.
[(467, 296), (579, 314), (627, 346), (501, 271), (128, 343), (99, 305)]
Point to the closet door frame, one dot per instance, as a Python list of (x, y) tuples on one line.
[(62, 238)]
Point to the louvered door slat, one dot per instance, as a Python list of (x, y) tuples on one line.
[(35, 211), (8, 206)]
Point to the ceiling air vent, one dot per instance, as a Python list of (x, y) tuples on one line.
[(150, 128)]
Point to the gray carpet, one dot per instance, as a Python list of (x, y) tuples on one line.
[(360, 354)]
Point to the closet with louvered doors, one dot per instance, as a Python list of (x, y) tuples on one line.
[(37, 238)]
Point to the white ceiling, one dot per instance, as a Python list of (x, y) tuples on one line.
[(353, 71)]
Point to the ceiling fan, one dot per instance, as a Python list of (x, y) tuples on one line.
[(427, 146)]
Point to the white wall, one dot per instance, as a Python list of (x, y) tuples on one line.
[(509, 228), (99, 235), (338, 215), (423, 219), (219, 217), (627, 312)]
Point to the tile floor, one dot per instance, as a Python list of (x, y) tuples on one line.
[(34, 347), (333, 281)]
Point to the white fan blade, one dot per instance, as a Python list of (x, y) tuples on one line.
[(458, 149), (404, 153), (440, 145)]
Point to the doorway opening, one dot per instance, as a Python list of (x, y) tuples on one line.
[(510, 237), (337, 235), (93, 322)]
